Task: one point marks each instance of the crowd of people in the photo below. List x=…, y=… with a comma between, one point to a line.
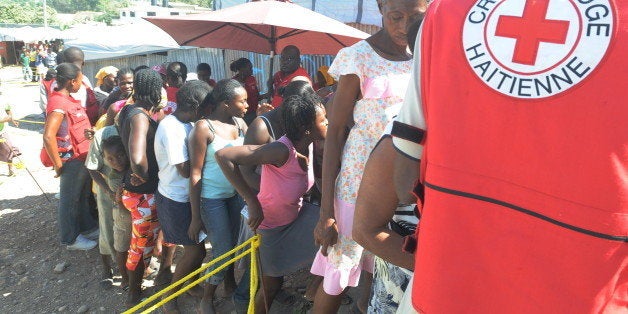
x=37, y=58
x=326, y=172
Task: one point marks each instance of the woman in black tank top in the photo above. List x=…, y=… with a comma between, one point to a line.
x=137, y=130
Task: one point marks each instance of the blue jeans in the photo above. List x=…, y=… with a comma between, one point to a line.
x=73, y=214
x=221, y=218
x=27, y=72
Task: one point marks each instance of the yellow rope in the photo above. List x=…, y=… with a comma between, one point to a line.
x=30, y=121
x=254, y=245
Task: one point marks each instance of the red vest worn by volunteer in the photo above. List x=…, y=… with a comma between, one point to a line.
x=281, y=80
x=92, y=106
x=71, y=134
x=525, y=164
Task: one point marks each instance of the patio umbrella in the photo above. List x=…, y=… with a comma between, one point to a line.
x=263, y=26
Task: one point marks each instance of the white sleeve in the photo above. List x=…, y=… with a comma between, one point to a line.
x=175, y=144
x=408, y=129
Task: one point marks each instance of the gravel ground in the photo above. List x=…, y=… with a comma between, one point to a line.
x=29, y=247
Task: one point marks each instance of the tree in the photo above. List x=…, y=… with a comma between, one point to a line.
x=25, y=12
x=73, y=6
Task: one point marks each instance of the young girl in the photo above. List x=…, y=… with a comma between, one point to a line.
x=244, y=74
x=67, y=148
x=121, y=93
x=215, y=204
x=173, y=192
x=285, y=225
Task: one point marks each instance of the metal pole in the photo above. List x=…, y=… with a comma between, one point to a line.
x=45, y=18
x=273, y=48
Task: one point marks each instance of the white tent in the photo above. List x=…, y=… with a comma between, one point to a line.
x=29, y=34
x=108, y=42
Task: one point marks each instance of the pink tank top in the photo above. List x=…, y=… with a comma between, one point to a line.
x=282, y=188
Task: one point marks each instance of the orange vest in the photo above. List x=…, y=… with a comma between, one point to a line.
x=525, y=164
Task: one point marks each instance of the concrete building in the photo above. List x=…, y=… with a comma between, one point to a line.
x=140, y=9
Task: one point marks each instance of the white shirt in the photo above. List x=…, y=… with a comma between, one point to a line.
x=171, y=149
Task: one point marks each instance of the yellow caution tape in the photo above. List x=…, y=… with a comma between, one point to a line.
x=30, y=121
x=254, y=245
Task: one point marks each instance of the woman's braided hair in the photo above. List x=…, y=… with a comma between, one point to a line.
x=224, y=91
x=147, y=85
x=191, y=95
x=299, y=114
x=123, y=72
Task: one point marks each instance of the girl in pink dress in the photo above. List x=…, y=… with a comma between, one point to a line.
x=278, y=212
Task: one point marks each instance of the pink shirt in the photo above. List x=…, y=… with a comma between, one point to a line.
x=282, y=188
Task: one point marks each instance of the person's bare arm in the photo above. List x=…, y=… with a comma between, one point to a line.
x=111, y=115
x=375, y=206
x=137, y=146
x=197, y=148
x=53, y=123
x=99, y=178
x=231, y=157
x=183, y=169
x=406, y=174
x=257, y=134
x=344, y=101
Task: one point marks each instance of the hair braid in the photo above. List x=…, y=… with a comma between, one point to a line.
x=147, y=88
x=299, y=114
x=191, y=95
x=225, y=90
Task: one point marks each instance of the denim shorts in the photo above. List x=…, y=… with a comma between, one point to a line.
x=175, y=218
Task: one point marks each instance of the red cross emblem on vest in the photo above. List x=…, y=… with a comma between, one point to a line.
x=536, y=48
x=531, y=29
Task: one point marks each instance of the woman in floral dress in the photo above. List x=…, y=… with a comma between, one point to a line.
x=373, y=76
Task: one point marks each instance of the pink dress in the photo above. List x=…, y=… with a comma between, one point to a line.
x=383, y=85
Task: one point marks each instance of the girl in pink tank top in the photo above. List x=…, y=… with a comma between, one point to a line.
x=287, y=174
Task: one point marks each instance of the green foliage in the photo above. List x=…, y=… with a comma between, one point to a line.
x=25, y=12
x=73, y=6
x=200, y=3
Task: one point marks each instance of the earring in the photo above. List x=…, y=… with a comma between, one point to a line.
x=307, y=132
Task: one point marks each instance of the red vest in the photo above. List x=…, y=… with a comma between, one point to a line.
x=526, y=157
x=280, y=80
x=71, y=135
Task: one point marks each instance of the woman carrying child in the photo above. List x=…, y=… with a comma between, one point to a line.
x=215, y=204
x=286, y=225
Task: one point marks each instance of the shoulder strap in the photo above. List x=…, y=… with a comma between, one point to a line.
x=269, y=127
x=211, y=127
x=240, y=129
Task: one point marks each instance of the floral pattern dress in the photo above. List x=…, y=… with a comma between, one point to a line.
x=383, y=85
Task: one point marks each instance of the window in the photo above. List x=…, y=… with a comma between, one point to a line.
x=123, y=13
x=132, y=14
x=174, y=13
x=151, y=13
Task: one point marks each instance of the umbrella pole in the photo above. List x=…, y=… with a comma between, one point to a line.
x=273, y=50
x=270, y=71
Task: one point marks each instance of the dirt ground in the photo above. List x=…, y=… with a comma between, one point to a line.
x=29, y=246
